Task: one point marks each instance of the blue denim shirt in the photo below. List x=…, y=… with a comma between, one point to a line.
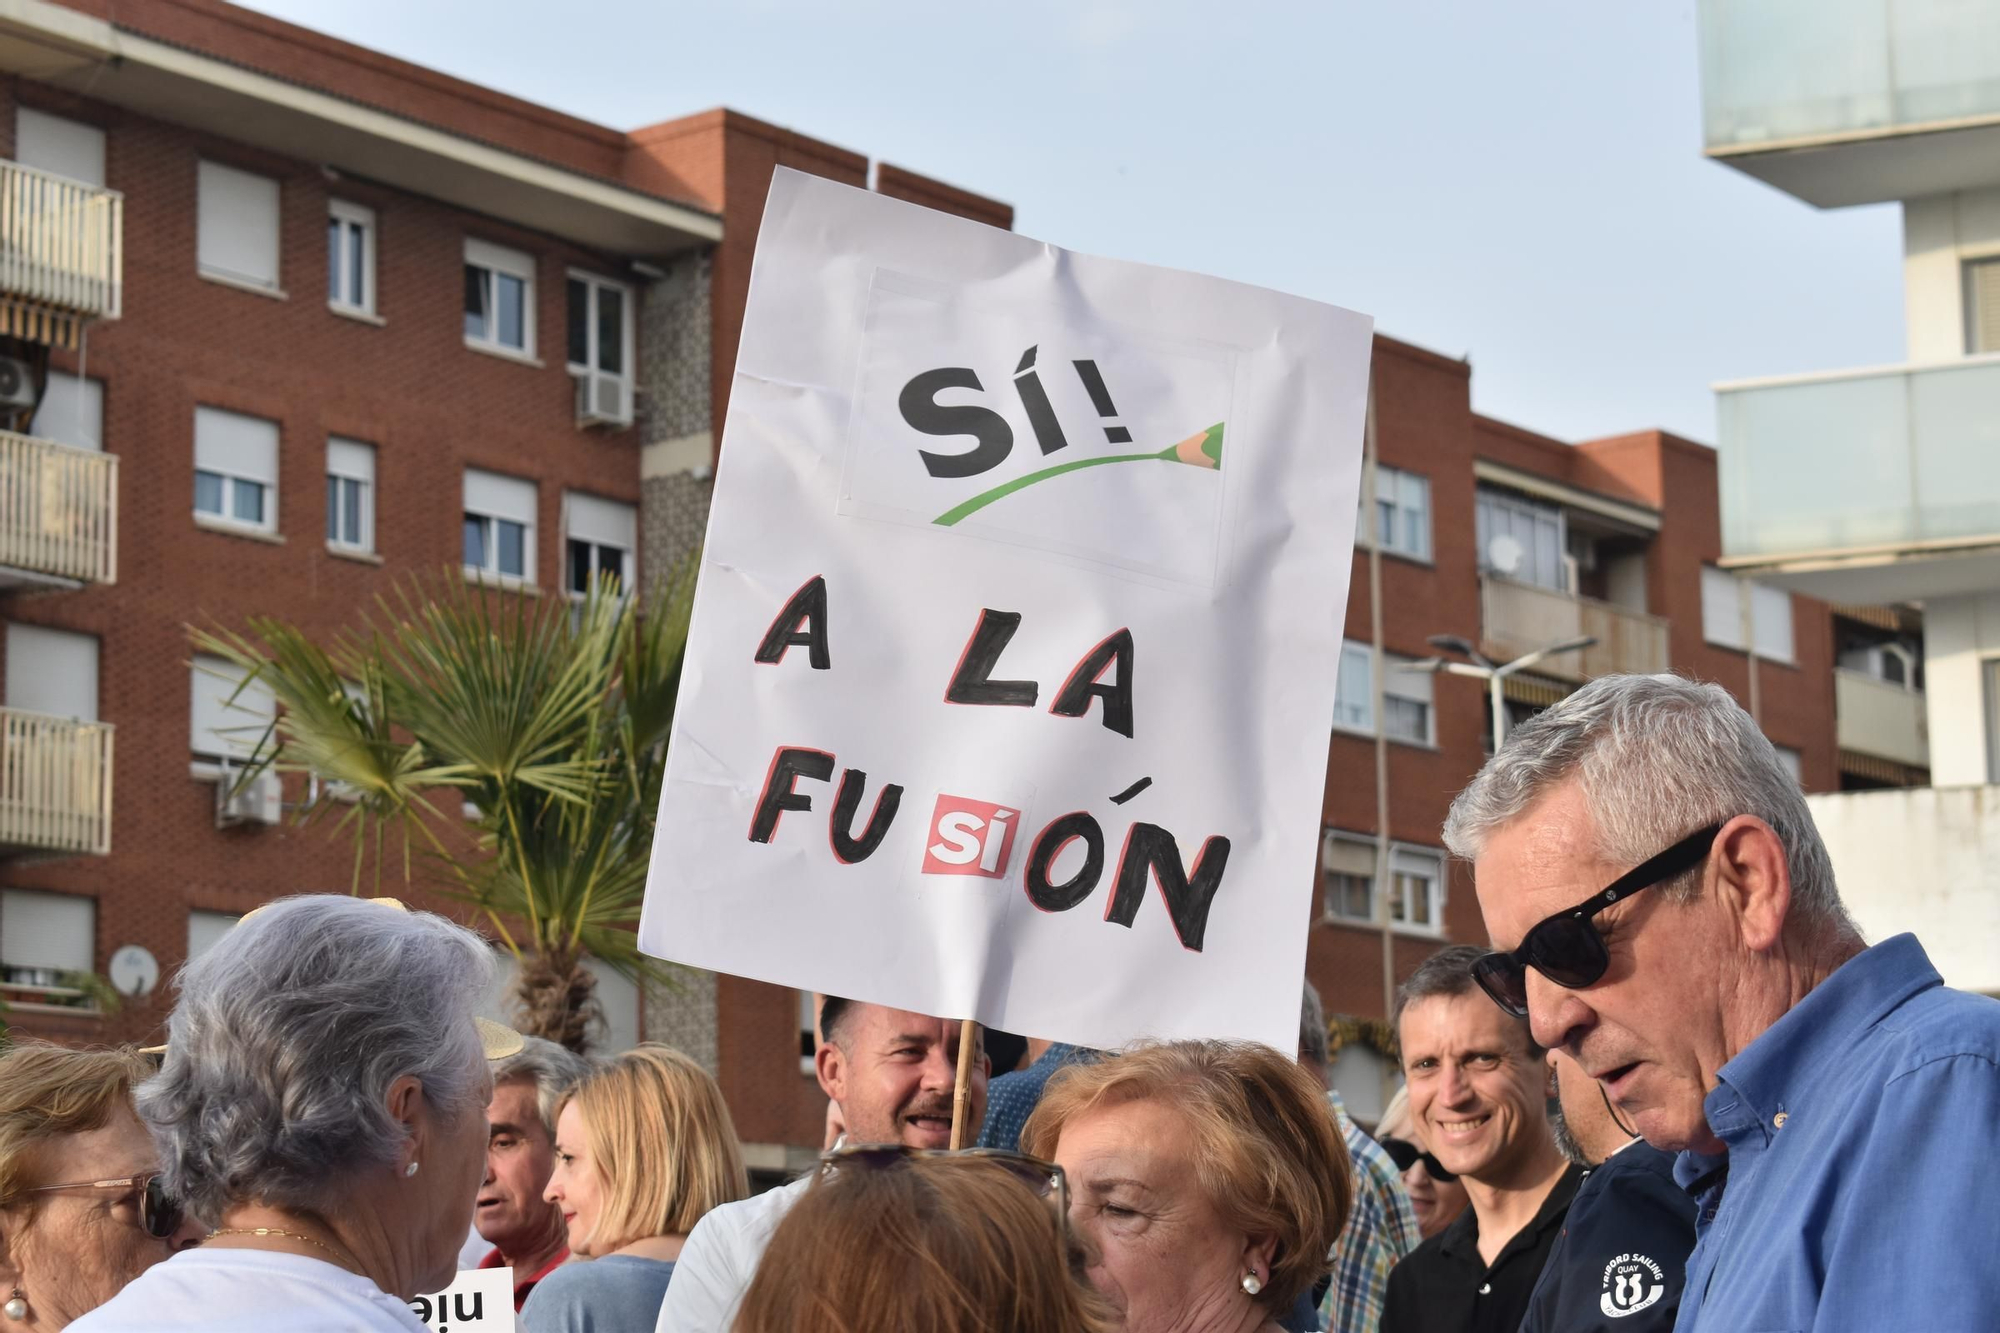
x=1856, y=1192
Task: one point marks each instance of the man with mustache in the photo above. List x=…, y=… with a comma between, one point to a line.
x=1479, y=1088
x=893, y=1073
x=1667, y=916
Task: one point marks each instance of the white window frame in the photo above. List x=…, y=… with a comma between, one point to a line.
x=232, y=476
x=1722, y=596
x=588, y=370
x=1426, y=864
x=514, y=263
x=36, y=912
x=211, y=680
x=479, y=478
x=1489, y=501
x=211, y=175
x=1406, y=494
x=206, y=929
x=71, y=142
x=602, y=525
x=1397, y=684
x=71, y=411
x=361, y=219
x=342, y=456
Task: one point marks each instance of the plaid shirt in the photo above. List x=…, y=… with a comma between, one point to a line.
x=1380, y=1230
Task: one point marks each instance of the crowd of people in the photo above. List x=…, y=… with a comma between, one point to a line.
x=1678, y=1091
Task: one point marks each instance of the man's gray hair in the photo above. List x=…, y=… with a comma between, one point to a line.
x=1313, y=1041
x=1657, y=757
x=555, y=1070
x=286, y=1038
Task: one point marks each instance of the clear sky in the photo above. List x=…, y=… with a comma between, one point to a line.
x=1521, y=181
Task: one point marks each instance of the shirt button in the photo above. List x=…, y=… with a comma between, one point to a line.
x=1778, y=1120
x=1486, y=1289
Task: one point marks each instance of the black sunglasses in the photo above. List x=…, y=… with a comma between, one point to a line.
x=1406, y=1154
x=1566, y=947
x=159, y=1212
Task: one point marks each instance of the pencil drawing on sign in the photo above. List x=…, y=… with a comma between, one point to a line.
x=1010, y=426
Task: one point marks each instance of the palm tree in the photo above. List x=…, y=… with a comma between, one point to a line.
x=546, y=720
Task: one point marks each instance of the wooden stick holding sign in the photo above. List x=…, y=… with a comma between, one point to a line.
x=962, y=1093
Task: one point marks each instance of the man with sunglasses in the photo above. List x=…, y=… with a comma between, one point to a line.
x=1478, y=1086
x=893, y=1073
x=1665, y=913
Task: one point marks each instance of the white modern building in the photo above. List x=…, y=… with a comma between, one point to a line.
x=1880, y=486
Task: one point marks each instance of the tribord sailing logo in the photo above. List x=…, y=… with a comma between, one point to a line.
x=1632, y=1282
x=1037, y=431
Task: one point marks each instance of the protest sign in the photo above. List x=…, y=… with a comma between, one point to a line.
x=1011, y=670
x=479, y=1300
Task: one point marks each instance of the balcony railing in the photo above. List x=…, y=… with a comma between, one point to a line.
x=1859, y=461
x=1879, y=718
x=1781, y=71
x=1521, y=617
x=58, y=510
x=61, y=242
x=55, y=783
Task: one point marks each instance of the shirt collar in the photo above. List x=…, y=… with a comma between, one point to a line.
x=1811, y=1040
x=1463, y=1234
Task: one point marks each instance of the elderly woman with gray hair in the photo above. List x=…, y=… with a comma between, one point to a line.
x=322, y=1104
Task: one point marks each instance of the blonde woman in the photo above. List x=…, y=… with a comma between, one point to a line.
x=644, y=1147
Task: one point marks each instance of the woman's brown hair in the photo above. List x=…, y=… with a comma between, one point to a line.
x=47, y=1091
x=943, y=1244
x=1267, y=1149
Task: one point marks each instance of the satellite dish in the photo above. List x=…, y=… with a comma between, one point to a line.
x=134, y=971
x=1504, y=554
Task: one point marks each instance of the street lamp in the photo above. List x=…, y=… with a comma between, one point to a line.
x=1484, y=669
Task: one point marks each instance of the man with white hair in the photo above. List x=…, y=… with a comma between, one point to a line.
x=1666, y=915
x=524, y=1231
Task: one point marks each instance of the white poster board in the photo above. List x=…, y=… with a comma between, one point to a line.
x=1011, y=673
x=479, y=1300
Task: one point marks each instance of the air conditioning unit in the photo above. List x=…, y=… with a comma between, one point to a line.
x=602, y=400
x=257, y=801
x=17, y=382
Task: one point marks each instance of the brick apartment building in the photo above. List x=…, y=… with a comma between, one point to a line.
x=314, y=320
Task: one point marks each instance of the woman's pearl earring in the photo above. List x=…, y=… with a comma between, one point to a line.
x=16, y=1306
x=410, y=1170
x=1252, y=1284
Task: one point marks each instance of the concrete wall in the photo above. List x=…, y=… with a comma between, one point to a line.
x=1925, y=860
x=1960, y=635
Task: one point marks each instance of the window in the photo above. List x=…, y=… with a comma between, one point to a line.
x=1989, y=672
x=600, y=347
x=1402, y=513
x=1982, y=305
x=599, y=537
x=499, y=298
x=206, y=929
x=71, y=412
x=236, y=224
x=1416, y=881
x=1722, y=614
x=350, y=494
x=44, y=935
x=1521, y=539
x=808, y=1032
x=52, y=671
x=220, y=727
x=1406, y=697
x=350, y=257
x=499, y=525
x=235, y=469
x=63, y=147
x=1793, y=762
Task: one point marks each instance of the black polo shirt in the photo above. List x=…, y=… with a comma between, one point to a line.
x=1443, y=1286
x=1621, y=1260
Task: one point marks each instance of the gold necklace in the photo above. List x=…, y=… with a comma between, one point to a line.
x=345, y=1259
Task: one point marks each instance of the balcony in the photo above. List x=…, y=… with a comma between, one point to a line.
x=58, y=513
x=1521, y=617
x=1870, y=486
x=55, y=784
x=1881, y=719
x=1853, y=101
x=61, y=254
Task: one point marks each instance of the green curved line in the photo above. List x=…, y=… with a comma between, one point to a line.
x=980, y=501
